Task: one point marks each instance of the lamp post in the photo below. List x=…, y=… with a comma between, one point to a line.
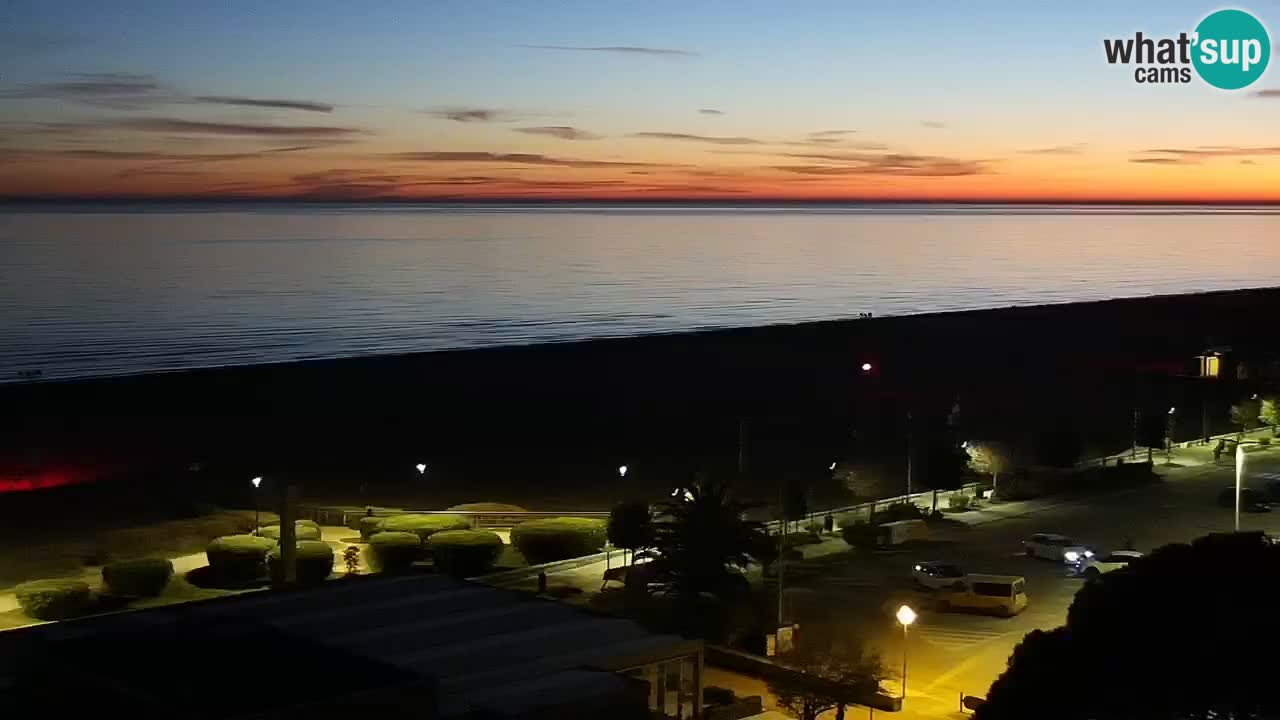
x=257, y=481
x=622, y=471
x=1168, y=435
x=1239, y=478
x=905, y=616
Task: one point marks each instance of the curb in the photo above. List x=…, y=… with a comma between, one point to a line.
x=524, y=573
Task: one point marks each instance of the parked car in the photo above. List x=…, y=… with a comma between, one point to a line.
x=1092, y=568
x=1250, y=500
x=986, y=594
x=1051, y=546
x=934, y=574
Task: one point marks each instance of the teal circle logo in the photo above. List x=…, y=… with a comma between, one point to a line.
x=1232, y=49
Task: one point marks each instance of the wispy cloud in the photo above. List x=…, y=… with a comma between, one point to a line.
x=175, y=125
x=564, y=132
x=830, y=133
x=892, y=164
x=686, y=137
x=933, y=124
x=130, y=91
x=305, y=105
x=512, y=158
x=116, y=91
x=1075, y=149
x=472, y=114
x=1172, y=156
x=620, y=49
x=710, y=111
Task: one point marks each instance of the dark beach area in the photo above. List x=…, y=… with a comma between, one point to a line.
x=546, y=426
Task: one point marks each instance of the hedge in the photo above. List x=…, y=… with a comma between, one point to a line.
x=302, y=530
x=464, y=553
x=424, y=526
x=313, y=561
x=544, y=541
x=145, y=577
x=393, y=551
x=369, y=526
x=239, y=557
x=860, y=535
x=53, y=599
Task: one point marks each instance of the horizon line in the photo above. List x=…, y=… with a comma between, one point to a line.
x=649, y=200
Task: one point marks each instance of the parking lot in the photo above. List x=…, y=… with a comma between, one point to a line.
x=950, y=653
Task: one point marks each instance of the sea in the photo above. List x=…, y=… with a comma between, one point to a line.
x=114, y=289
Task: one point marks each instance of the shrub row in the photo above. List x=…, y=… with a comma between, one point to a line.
x=544, y=541
x=53, y=599
x=302, y=530
x=313, y=561
x=392, y=551
x=464, y=553
x=145, y=577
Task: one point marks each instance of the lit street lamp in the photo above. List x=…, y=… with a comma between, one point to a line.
x=906, y=616
x=257, y=481
x=422, y=468
x=866, y=367
x=622, y=471
x=1239, y=478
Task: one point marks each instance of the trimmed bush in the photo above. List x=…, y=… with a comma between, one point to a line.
x=53, y=599
x=544, y=541
x=899, y=511
x=959, y=502
x=1264, y=441
x=313, y=561
x=393, y=551
x=487, y=507
x=713, y=695
x=239, y=557
x=424, y=526
x=145, y=577
x=302, y=530
x=859, y=535
x=464, y=553
x=799, y=539
x=369, y=526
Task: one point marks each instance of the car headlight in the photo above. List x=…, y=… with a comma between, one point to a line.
x=1071, y=556
x=1088, y=553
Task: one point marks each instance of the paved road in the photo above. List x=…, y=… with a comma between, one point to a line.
x=950, y=653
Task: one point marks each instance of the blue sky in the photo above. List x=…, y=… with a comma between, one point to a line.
x=976, y=83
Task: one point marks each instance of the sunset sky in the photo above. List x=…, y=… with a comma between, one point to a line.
x=565, y=99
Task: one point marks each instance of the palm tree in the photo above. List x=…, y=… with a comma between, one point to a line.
x=702, y=541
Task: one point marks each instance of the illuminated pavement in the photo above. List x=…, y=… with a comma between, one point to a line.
x=951, y=653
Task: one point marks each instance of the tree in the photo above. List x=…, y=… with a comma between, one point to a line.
x=631, y=526
x=1160, y=645
x=989, y=458
x=1245, y=413
x=834, y=676
x=1269, y=413
x=703, y=542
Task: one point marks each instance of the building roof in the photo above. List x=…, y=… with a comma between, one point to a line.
x=464, y=644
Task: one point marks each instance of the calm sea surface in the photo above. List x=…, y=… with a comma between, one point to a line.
x=108, y=290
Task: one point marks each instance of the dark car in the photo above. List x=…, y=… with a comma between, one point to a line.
x=1250, y=500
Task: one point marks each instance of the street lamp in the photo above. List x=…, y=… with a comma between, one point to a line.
x=1239, y=478
x=422, y=468
x=622, y=471
x=906, y=616
x=257, y=481
x=1168, y=435
x=866, y=367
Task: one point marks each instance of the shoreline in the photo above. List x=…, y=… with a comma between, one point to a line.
x=835, y=325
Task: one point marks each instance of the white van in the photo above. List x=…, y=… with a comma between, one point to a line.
x=896, y=533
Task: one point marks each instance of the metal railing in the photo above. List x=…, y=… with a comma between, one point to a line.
x=478, y=518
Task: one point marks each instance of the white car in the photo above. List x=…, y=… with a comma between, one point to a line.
x=935, y=574
x=1094, y=567
x=1058, y=548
